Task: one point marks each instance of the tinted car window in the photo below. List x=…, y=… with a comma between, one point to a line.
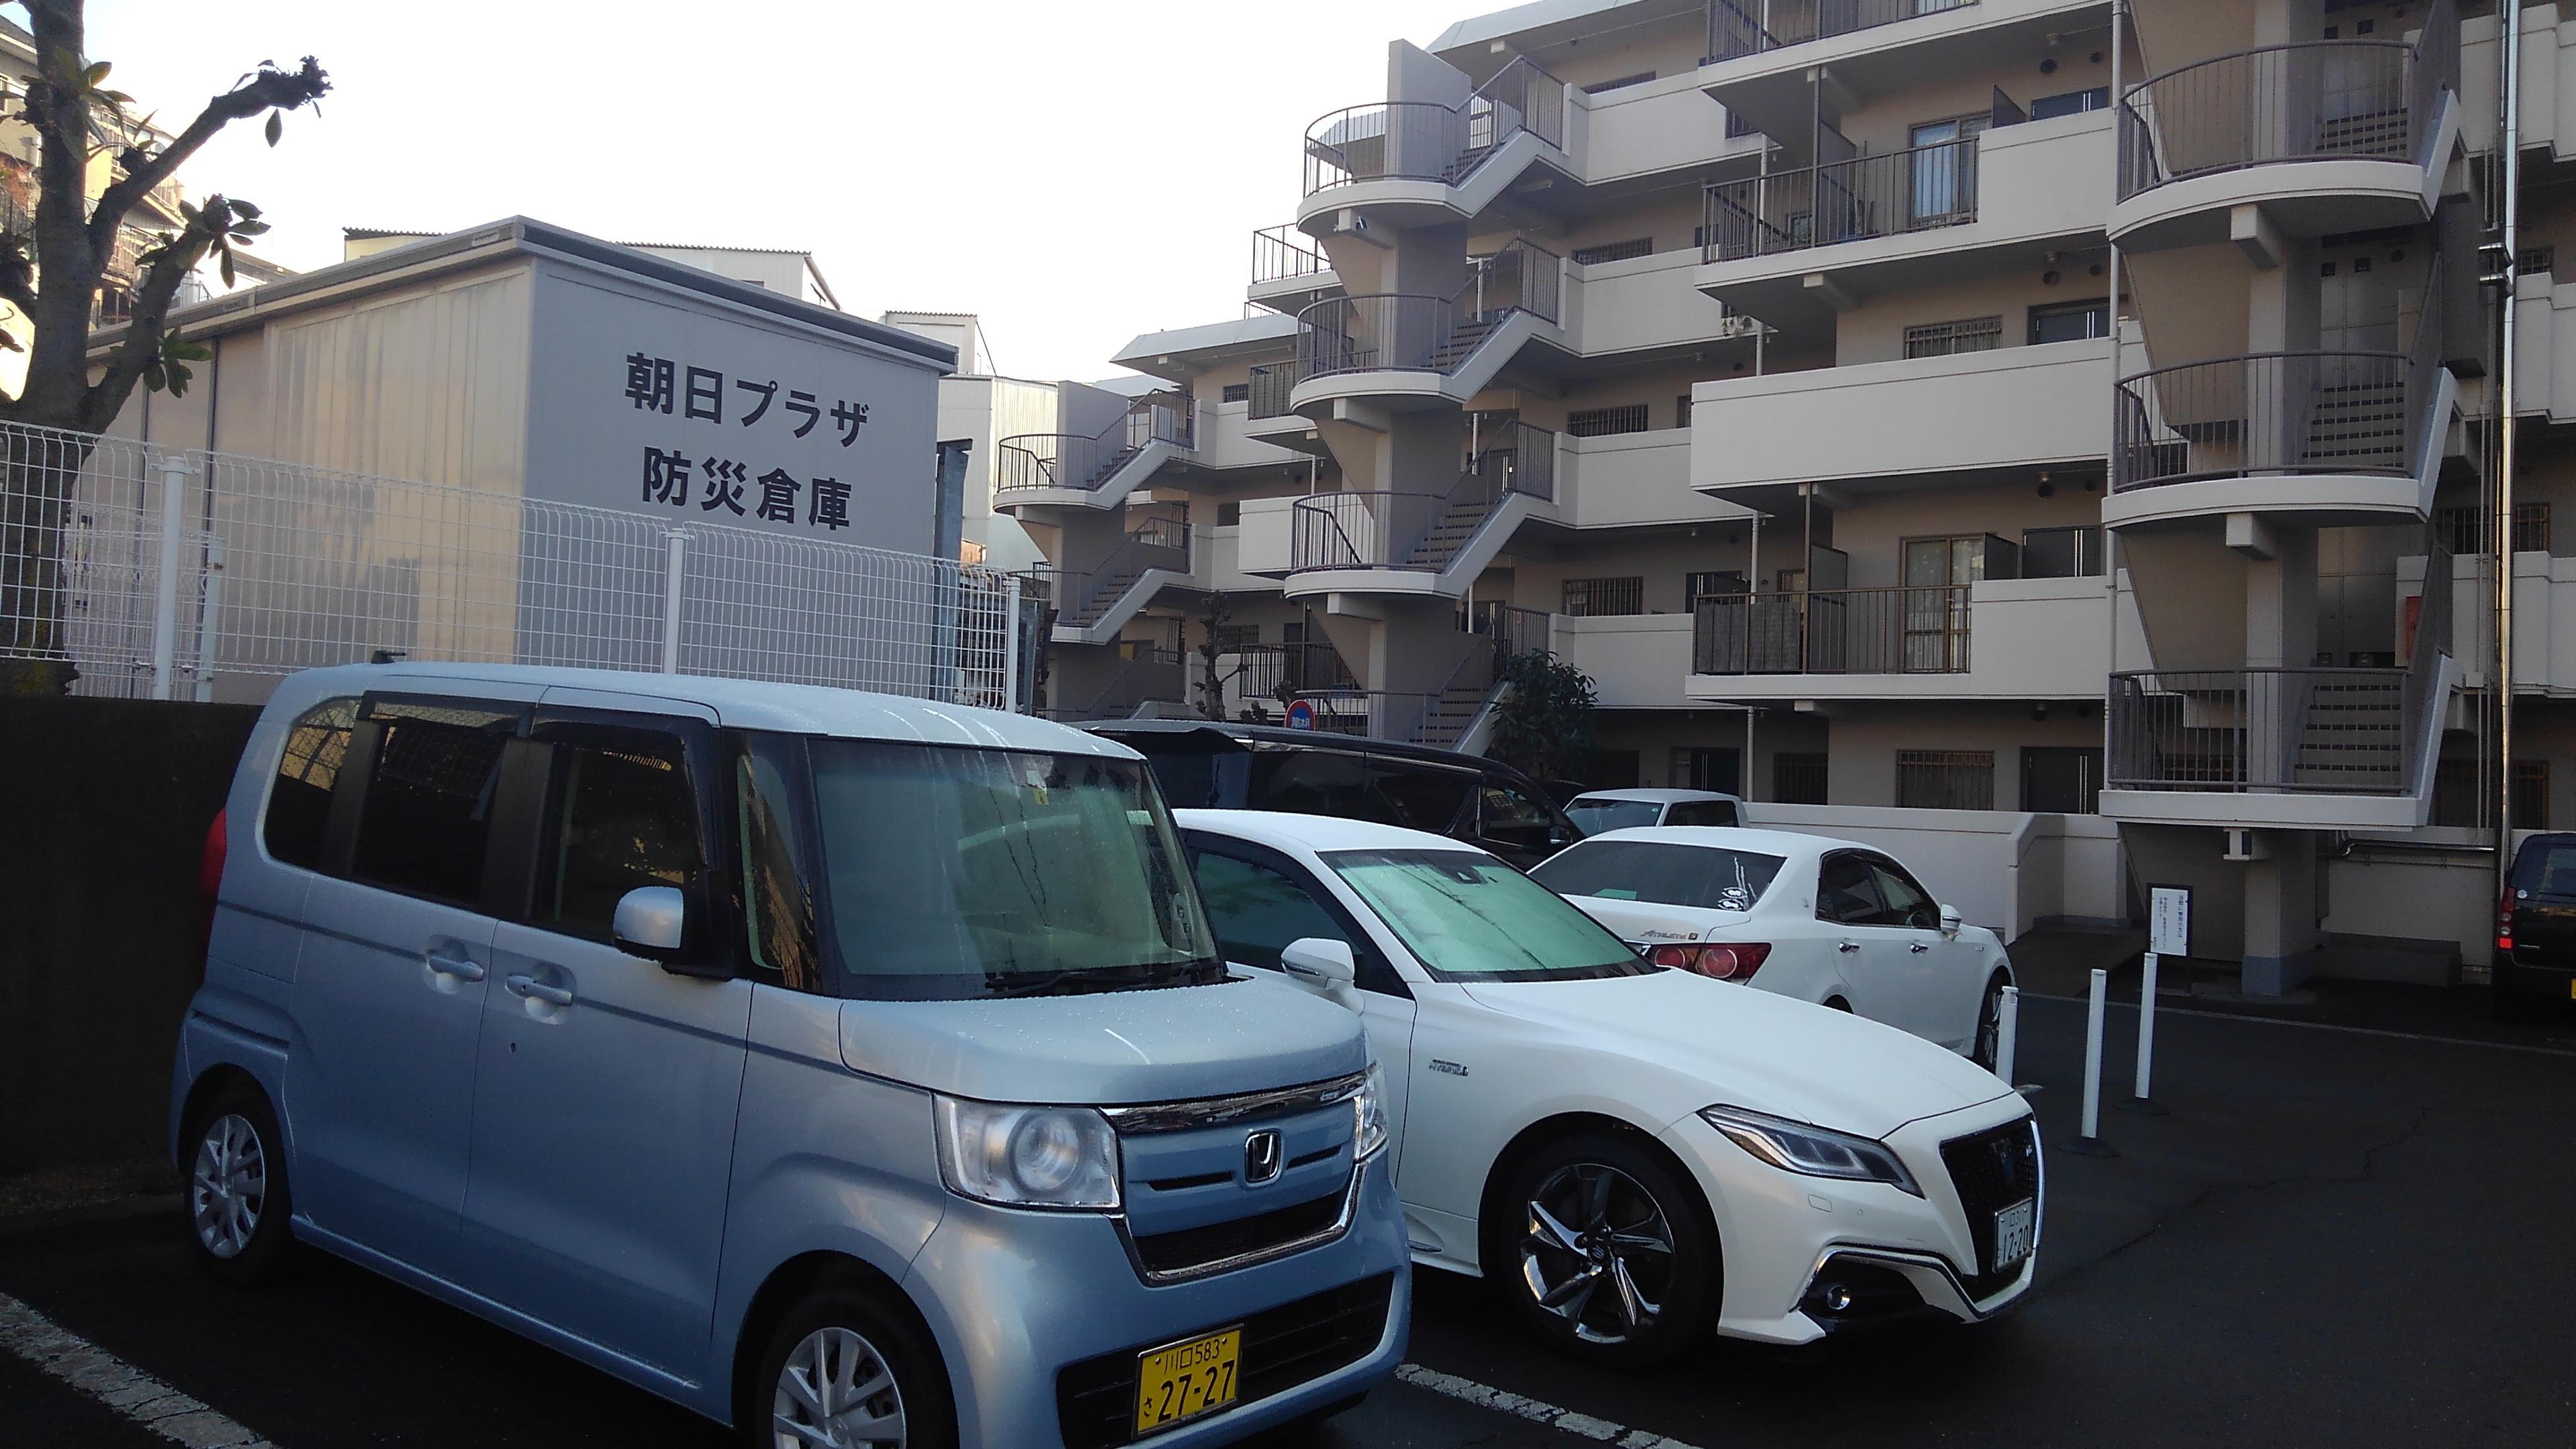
x=1256, y=912
x=621, y=816
x=299, y=800
x=1660, y=873
x=428, y=811
x=1593, y=817
x=1319, y=782
x=1516, y=818
x=1846, y=892
x=1424, y=797
x=1703, y=812
x=1907, y=903
x=2546, y=868
x=777, y=890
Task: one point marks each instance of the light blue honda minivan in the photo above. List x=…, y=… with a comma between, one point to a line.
x=853, y=1070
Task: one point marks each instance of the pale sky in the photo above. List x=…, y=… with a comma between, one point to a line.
x=1075, y=173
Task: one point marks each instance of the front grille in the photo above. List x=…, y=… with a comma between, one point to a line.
x=1992, y=1170
x=1283, y=1347
x=1188, y=1248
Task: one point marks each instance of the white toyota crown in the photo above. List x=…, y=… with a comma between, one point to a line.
x=1637, y=1157
x=1834, y=922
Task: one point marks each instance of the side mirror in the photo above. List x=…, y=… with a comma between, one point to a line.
x=1321, y=964
x=650, y=922
x=1950, y=920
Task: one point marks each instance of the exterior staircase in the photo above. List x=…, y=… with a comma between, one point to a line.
x=1463, y=341
x=1449, y=714
x=2353, y=738
x=1467, y=510
x=2359, y=425
x=1102, y=597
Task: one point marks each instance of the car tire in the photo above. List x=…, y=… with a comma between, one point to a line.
x=1989, y=1040
x=236, y=1196
x=1574, y=1245
x=872, y=1359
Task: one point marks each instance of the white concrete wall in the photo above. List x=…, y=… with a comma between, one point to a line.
x=1635, y=661
x=1623, y=479
x=1222, y=444
x=1261, y=539
x=2046, y=638
x=1643, y=302
x=2004, y=870
x=1659, y=125
x=2011, y=406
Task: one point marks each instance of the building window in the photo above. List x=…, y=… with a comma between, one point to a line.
x=1710, y=584
x=1592, y=598
x=2063, y=553
x=1237, y=392
x=1945, y=779
x=2070, y=103
x=1622, y=83
x=1617, y=251
x=1798, y=777
x=2533, y=260
x=2458, y=794
x=1702, y=769
x=1597, y=422
x=1681, y=411
x=1229, y=513
x=2070, y=321
x=1235, y=638
x=1940, y=339
x=2463, y=529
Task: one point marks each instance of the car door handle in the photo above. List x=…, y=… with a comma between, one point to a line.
x=1918, y=948
x=531, y=986
x=451, y=966
x=1848, y=947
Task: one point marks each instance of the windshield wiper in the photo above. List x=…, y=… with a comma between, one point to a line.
x=1081, y=979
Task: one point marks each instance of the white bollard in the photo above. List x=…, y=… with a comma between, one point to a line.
x=2007, y=1034
x=2140, y=1101
x=2089, y=1142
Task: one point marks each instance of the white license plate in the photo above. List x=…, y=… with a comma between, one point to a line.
x=2014, y=1228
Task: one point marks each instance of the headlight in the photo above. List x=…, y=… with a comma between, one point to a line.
x=1047, y=1157
x=1368, y=1109
x=1815, y=1151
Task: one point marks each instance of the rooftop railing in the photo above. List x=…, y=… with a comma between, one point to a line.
x=1920, y=189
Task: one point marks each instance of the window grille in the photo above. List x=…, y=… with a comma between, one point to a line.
x=1941, y=339
x=1237, y=392
x=1622, y=83
x=2459, y=799
x=1617, y=251
x=2463, y=528
x=2535, y=259
x=1945, y=779
x=1589, y=598
x=1798, y=777
x=1599, y=422
x=1235, y=638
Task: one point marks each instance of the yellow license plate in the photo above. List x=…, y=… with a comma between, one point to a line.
x=1184, y=1380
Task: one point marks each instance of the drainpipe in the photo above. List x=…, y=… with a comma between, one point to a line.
x=2509, y=182
x=2111, y=457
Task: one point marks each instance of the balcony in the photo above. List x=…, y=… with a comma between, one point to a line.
x=1635, y=661
x=1422, y=542
x=1420, y=162
x=1626, y=309
x=1288, y=271
x=2340, y=438
x=2325, y=136
x=1966, y=415
x=1794, y=247
x=2015, y=639
x=1097, y=470
x=2350, y=749
x=1402, y=351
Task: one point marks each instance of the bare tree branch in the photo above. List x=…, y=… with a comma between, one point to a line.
x=268, y=89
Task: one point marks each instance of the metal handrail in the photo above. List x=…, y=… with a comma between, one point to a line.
x=1903, y=629
x=1271, y=388
x=2264, y=730
x=1277, y=259
x=1408, y=331
x=1390, y=529
x=1431, y=140
x=1075, y=461
x=2302, y=101
x=1921, y=188
x=1734, y=33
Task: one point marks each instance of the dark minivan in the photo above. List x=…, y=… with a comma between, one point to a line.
x=1311, y=772
x=2535, y=954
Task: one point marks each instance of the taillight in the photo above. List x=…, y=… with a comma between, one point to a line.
x=2504, y=922
x=1719, y=961
x=210, y=881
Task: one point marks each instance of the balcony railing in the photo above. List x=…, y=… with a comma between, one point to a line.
x=1921, y=189
x=1280, y=254
x=2314, y=100
x=1309, y=667
x=1271, y=387
x=1738, y=28
x=2286, y=731
x=1408, y=332
x=1905, y=630
x=1429, y=141
x=1421, y=531
x=2281, y=412
x=1071, y=460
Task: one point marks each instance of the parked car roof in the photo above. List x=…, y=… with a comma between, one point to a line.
x=1658, y=796
x=1249, y=734
x=1727, y=837
x=761, y=704
x=1280, y=829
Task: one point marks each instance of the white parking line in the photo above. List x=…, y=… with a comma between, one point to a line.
x=118, y=1384
x=1619, y=1436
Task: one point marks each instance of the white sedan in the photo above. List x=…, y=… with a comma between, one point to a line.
x=1834, y=922
x=1638, y=1157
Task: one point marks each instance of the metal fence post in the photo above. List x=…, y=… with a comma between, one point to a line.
x=675, y=548
x=212, y=600
x=165, y=586
x=1011, y=697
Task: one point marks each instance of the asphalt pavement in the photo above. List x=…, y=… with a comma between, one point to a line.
x=2333, y=1238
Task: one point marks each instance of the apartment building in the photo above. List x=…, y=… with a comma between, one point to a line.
x=1955, y=405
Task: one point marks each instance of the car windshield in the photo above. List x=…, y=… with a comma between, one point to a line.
x=956, y=872
x=1593, y=816
x=1469, y=917
x=1661, y=873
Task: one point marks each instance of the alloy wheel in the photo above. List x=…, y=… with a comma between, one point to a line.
x=1990, y=1026
x=1597, y=1251
x=228, y=1186
x=836, y=1391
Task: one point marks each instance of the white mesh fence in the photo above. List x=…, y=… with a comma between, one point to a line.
x=285, y=567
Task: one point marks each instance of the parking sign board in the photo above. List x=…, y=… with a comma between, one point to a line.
x=1301, y=715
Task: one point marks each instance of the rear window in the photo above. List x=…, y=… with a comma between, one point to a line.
x=1661, y=874
x=2546, y=868
x=1594, y=817
x=1703, y=812
x=299, y=802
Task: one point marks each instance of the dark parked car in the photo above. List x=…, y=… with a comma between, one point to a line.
x=2535, y=955
x=1310, y=772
